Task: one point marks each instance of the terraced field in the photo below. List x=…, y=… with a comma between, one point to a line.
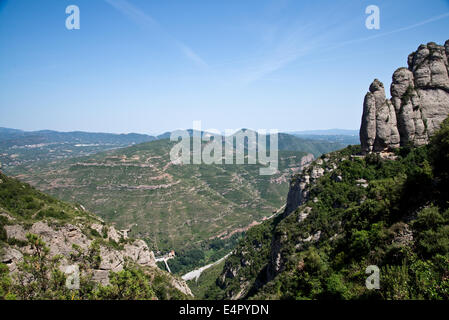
x=171, y=206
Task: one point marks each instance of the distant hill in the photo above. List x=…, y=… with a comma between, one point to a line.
x=19, y=147
x=14, y=137
x=172, y=205
x=327, y=132
x=341, y=136
x=310, y=145
x=23, y=148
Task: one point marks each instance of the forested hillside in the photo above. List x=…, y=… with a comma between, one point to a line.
x=388, y=210
x=40, y=237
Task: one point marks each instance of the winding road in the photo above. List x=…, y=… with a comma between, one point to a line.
x=195, y=274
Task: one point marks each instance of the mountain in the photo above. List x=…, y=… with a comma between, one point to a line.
x=9, y=137
x=5, y=131
x=286, y=142
x=340, y=137
x=351, y=212
x=39, y=233
x=179, y=207
x=346, y=212
x=190, y=207
x=19, y=147
x=419, y=102
x=23, y=148
x=313, y=145
x=327, y=132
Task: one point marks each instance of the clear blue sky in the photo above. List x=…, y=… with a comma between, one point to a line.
x=149, y=66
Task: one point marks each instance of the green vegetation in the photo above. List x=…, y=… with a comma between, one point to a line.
x=205, y=287
x=27, y=205
x=38, y=274
x=39, y=278
x=399, y=222
x=316, y=145
x=188, y=259
x=172, y=207
x=22, y=148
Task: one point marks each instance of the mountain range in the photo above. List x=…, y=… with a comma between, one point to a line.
x=173, y=207
x=329, y=216
x=22, y=148
x=380, y=206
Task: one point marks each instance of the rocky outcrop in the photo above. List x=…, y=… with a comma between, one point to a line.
x=75, y=238
x=60, y=240
x=379, y=127
x=300, y=183
x=419, y=102
x=297, y=193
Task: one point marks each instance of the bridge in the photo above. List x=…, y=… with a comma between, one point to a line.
x=165, y=258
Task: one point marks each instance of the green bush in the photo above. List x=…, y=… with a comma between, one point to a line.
x=129, y=284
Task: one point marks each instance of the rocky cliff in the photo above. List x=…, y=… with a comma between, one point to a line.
x=300, y=183
x=69, y=232
x=419, y=102
x=347, y=211
x=338, y=203
x=61, y=240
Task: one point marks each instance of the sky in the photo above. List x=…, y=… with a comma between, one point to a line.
x=151, y=66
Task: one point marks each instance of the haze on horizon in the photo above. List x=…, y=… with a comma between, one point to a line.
x=151, y=66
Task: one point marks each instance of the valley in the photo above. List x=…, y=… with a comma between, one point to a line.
x=185, y=208
x=244, y=152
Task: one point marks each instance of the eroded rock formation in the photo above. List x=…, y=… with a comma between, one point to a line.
x=61, y=239
x=419, y=102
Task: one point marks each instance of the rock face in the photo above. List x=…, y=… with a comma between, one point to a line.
x=300, y=183
x=419, y=102
x=79, y=240
x=379, y=129
x=61, y=240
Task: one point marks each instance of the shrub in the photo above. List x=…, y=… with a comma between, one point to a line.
x=129, y=284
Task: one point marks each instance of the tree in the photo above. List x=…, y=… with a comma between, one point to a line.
x=129, y=284
x=439, y=155
x=38, y=276
x=5, y=283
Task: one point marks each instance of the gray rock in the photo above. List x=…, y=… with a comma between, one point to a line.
x=61, y=239
x=7, y=216
x=181, y=286
x=446, y=46
x=306, y=160
x=113, y=234
x=317, y=172
x=297, y=194
x=16, y=232
x=101, y=276
x=304, y=214
x=140, y=253
x=10, y=257
x=378, y=130
x=419, y=102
